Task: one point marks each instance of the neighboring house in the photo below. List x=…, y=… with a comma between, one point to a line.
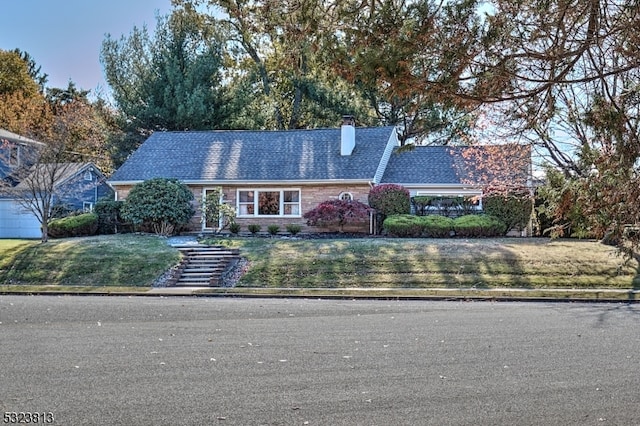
x=16, y=152
x=78, y=185
x=274, y=177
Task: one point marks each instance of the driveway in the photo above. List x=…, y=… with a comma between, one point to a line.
x=195, y=361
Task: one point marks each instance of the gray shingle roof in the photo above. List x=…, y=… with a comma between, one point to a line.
x=293, y=155
x=433, y=165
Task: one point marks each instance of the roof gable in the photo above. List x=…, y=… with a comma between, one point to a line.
x=293, y=155
x=62, y=172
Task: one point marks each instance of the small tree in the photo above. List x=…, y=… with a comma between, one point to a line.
x=35, y=184
x=163, y=204
x=338, y=213
x=216, y=211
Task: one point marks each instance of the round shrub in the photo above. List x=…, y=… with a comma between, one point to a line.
x=390, y=199
x=293, y=228
x=436, y=226
x=273, y=229
x=403, y=225
x=74, y=226
x=162, y=204
x=478, y=226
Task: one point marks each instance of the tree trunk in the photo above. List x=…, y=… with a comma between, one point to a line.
x=45, y=231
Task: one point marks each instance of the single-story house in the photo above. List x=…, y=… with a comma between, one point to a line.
x=78, y=186
x=274, y=177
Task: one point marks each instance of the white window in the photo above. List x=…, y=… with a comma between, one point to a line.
x=269, y=202
x=464, y=201
x=87, y=207
x=88, y=175
x=346, y=196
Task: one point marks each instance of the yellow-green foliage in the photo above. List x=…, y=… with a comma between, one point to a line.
x=74, y=226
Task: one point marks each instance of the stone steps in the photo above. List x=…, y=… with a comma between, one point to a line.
x=203, y=266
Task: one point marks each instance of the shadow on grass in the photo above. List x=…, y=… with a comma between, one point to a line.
x=16, y=257
x=377, y=263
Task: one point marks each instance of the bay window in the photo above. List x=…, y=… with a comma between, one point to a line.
x=269, y=202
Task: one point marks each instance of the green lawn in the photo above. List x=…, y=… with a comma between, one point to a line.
x=430, y=263
x=95, y=262
x=132, y=262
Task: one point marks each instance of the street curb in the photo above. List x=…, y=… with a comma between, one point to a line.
x=498, y=295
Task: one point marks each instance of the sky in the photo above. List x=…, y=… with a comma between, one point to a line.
x=64, y=37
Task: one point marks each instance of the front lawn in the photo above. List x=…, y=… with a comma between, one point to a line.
x=103, y=261
x=431, y=263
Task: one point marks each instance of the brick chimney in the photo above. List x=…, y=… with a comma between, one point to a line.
x=348, y=135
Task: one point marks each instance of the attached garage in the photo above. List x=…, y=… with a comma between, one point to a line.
x=16, y=223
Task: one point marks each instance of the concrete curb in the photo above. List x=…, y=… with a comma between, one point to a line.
x=440, y=294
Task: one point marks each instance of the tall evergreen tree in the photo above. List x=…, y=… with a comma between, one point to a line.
x=172, y=81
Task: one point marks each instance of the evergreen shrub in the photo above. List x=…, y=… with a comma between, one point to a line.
x=74, y=226
x=478, y=226
x=293, y=228
x=433, y=226
x=514, y=209
x=273, y=229
x=234, y=228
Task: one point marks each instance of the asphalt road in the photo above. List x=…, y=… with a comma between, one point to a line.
x=215, y=361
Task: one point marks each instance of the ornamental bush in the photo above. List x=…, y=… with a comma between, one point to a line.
x=478, y=226
x=234, y=228
x=74, y=226
x=164, y=205
x=294, y=228
x=433, y=226
x=403, y=225
x=436, y=226
x=338, y=213
x=273, y=229
x=390, y=199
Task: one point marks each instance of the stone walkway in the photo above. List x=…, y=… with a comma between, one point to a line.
x=182, y=240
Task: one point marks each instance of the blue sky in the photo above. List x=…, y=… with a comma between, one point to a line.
x=64, y=36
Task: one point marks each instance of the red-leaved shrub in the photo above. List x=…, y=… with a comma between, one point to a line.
x=390, y=199
x=338, y=213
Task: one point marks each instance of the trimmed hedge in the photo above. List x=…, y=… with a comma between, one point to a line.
x=436, y=226
x=74, y=226
x=403, y=225
x=478, y=226
x=418, y=226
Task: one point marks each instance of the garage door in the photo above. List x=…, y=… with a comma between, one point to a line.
x=15, y=223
